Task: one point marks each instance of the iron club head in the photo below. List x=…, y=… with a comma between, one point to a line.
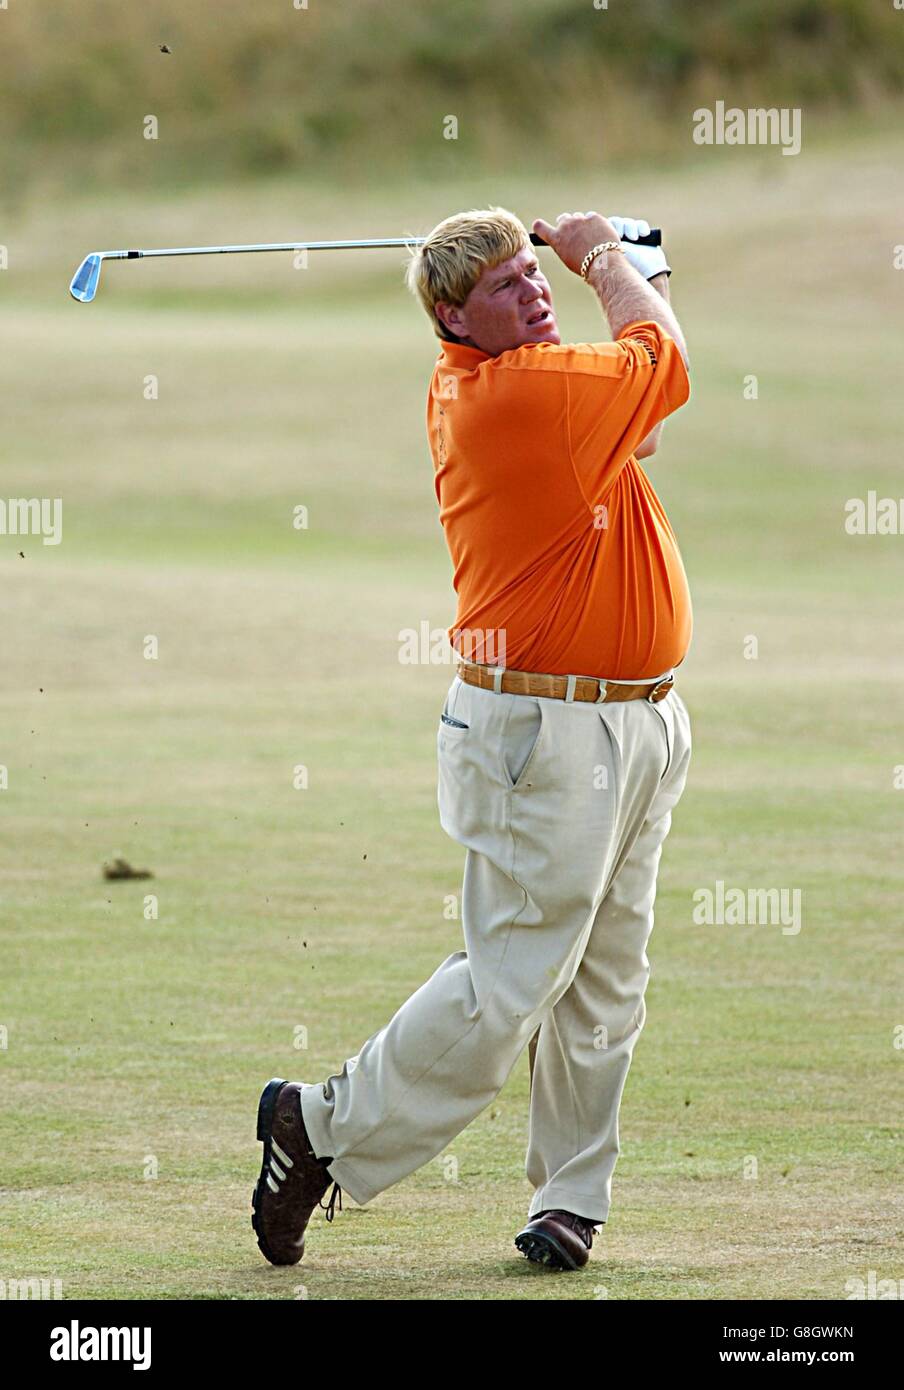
x=84, y=281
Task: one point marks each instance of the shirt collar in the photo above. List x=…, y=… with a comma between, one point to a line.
x=461, y=355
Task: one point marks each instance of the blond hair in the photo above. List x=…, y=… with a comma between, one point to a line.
x=457, y=252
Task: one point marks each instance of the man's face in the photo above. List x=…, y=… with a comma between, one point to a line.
x=509, y=306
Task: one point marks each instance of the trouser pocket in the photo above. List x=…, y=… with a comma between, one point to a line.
x=666, y=719
x=521, y=737
x=676, y=723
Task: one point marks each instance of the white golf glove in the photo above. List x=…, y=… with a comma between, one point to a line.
x=649, y=260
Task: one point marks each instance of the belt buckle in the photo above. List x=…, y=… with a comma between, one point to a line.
x=661, y=689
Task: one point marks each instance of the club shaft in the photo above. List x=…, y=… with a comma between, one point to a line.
x=372, y=242
x=268, y=246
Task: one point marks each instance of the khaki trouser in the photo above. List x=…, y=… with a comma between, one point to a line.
x=562, y=808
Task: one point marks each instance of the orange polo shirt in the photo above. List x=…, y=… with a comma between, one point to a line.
x=564, y=559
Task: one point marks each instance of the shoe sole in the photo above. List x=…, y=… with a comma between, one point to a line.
x=542, y=1249
x=265, y=1111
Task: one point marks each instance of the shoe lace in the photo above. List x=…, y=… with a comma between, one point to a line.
x=330, y=1208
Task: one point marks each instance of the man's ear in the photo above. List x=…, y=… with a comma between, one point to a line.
x=451, y=317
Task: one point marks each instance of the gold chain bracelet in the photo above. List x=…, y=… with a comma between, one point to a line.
x=595, y=251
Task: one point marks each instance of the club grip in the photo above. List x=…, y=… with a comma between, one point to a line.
x=653, y=238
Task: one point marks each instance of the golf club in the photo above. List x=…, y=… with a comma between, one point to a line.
x=86, y=279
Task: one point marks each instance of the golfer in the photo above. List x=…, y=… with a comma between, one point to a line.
x=563, y=746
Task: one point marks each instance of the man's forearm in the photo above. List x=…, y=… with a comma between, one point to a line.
x=627, y=297
x=660, y=284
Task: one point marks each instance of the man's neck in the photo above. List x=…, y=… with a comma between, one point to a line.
x=463, y=342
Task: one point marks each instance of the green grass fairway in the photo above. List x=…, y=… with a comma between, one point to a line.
x=138, y=1045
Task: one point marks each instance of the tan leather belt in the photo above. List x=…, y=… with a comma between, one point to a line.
x=548, y=687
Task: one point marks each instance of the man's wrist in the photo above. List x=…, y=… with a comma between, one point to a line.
x=605, y=265
x=600, y=251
